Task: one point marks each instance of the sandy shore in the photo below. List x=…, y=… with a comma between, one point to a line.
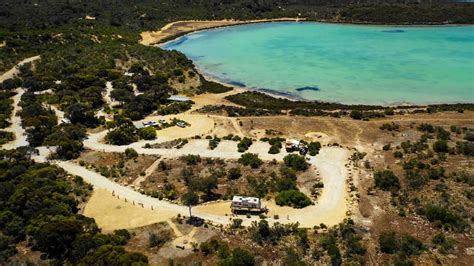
x=179, y=28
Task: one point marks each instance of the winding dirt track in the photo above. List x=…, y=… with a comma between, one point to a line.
x=330, y=209
x=15, y=127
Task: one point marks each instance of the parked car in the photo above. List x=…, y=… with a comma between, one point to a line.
x=149, y=123
x=181, y=124
x=162, y=121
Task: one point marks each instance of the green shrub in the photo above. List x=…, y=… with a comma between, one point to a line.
x=466, y=148
x=293, y=198
x=191, y=159
x=415, y=179
x=405, y=244
x=234, y=173
x=213, y=144
x=147, y=133
x=356, y=114
x=445, y=216
x=158, y=240
x=386, y=180
x=314, y=148
x=213, y=87
x=296, y=162
x=444, y=244
x=6, y=136
x=236, y=223
x=250, y=159
x=390, y=126
x=130, y=153
x=398, y=154
x=274, y=149
x=469, y=135
x=244, y=144
x=426, y=128
x=440, y=146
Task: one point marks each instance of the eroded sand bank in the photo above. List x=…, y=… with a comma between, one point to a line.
x=183, y=27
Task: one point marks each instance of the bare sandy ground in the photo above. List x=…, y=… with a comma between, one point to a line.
x=112, y=213
x=200, y=125
x=183, y=27
x=204, y=99
x=107, y=98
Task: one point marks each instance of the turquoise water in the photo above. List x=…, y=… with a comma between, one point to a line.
x=340, y=63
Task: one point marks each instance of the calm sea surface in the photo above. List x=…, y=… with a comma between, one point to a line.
x=340, y=63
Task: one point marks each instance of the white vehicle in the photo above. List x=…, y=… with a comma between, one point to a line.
x=242, y=203
x=181, y=124
x=149, y=123
x=162, y=121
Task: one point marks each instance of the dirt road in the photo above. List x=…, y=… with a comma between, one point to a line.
x=15, y=127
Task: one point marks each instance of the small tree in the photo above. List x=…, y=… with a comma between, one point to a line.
x=297, y=162
x=314, y=148
x=234, y=173
x=190, y=199
x=386, y=180
x=440, y=146
x=250, y=159
x=356, y=114
x=130, y=153
x=147, y=133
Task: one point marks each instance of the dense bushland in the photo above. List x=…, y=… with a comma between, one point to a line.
x=39, y=205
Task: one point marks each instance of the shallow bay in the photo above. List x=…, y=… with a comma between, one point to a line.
x=353, y=64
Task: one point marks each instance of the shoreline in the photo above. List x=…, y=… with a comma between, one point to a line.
x=296, y=98
x=162, y=37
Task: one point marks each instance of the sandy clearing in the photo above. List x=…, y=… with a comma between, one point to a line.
x=187, y=26
x=204, y=99
x=200, y=126
x=112, y=213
